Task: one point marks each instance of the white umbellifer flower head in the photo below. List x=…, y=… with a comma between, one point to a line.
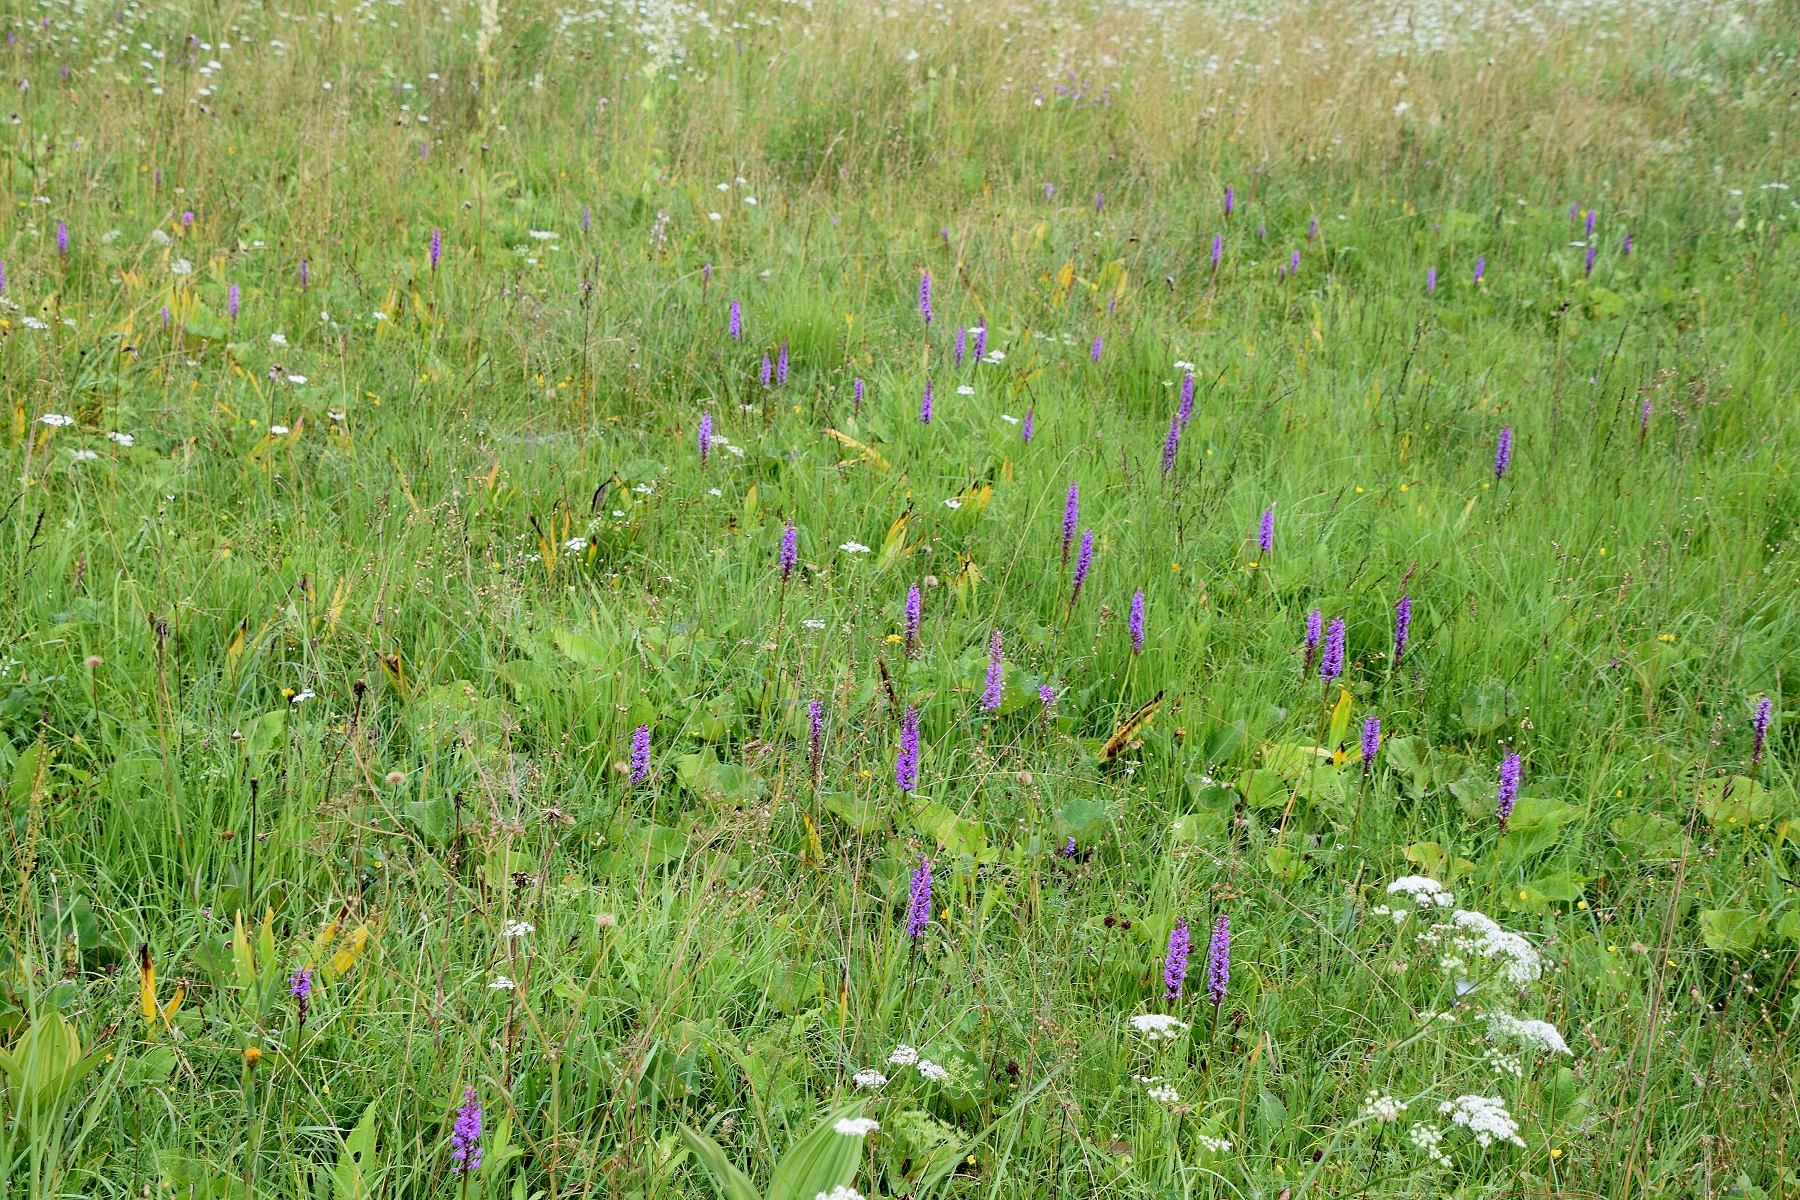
x=502, y=984
x=1485, y=1117
x=34, y=323
x=1535, y=1035
x=85, y=455
x=544, y=235
x=953, y=502
x=513, y=929
x=903, y=1056
x=181, y=266
x=1426, y=1137
x=857, y=1126
x=1009, y=418
x=813, y=623
x=1158, y=1025
x=576, y=544
x=278, y=339
x=932, y=1071
x=869, y=1078
x=278, y=430
x=965, y=390
x=1423, y=889
x=840, y=1193
x=854, y=548
x=56, y=420
x=296, y=380
x=1476, y=933
x=123, y=439
x=1215, y=1145
x=1385, y=1109
x=994, y=356
x=303, y=695
x=1163, y=1093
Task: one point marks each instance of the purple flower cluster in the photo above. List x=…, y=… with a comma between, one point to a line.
x=737, y=321
x=1025, y=430
x=962, y=343
x=768, y=370
x=1759, y=724
x=1371, y=743
x=465, y=1136
x=1402, y=626
x=925, y=405
x=1083, y=561
x=859, y=395
x=1071, y=514
x=918, y=903
x=815, y=737
x=232, y=300
x=640, y=754
x=781, y=365
x=906, y=764
x=1094, y=354
x=1265, y=532
x=1218, y=960
x=1171, y=445
x=1431, y=281
x=1175, y=960
x=925, y=297
x=300, y=987
x=437, y=247
x=1186, y=411
x=1218, y=250
x=1315, y=628
x=705, y=438
x=1136, y=622
x=1331, y=662
x=996, y=674
x=1509, y=788
x=790, y=550
x=980, y=342
x=1503, y=452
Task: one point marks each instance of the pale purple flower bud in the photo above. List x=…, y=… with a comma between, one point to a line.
x=1759, y=725
x=1589, y=270
x=790, y=550
x=913, y=611
x=1589, y=230
x=859, y=396
x=62, y=237
x=1315, y=627
x=737, y=321
x=437, y=247
x=1575, y=211
x=1265, y=532
x=1480, y=267
x=300, y=988
x=1431, y=281
x=1094, y=354
x=1331, y=662
x=705, y=437
x=1229, y=198
x=1071, y=514
x=232, y=299
x=980, y=342
x=1025, y=430
x=1136, y=622
x=187, y=220
x=925, y=297
x=996, y=675
x=1047, y=697
x=1218, y=250
x=781, y=365
x=925, y=405
x=1083, y=561
x=640, y=754
x=1503, y=452
x=1312, y=229
x=705, y=274
x=1099, y=201
x=962, y=344
x=1402, y=626
x=303, y=274
x=587, y=217
x=1171, y=444
x=918, y=903
x=2, y=278
x=1294, y=264
x=1644, y=417
x=1625, y=246
x=768, y=369
x=1175, y=960
x=906, y=764
x=1218, y=960
x=1371, y=743
x=1186, y=411
x=1509, y=788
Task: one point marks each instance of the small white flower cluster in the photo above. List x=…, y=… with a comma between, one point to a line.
x=908, y=1056
x=1533, y=1035
x=576, y=545
x=1157, y=1090
x=840, y=1193
x=1215, y=1145
x=513, y=929
x=502, y=984
x=1158, y=1026
x=857, y=1126
x=1503, y=1062
x=1385, y=1109
x=1485, y=1117
x=1422, y=890
x=869, y=1078
x=1478, y=934
x=1426, y=1137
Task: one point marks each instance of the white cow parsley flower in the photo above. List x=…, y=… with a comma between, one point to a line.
x=857, y=1126
x=903, y=1056
x=869, y=1078
x=932, y=1071
x=1485, y=1117
x=1385, y=1109
x=1155, y=1026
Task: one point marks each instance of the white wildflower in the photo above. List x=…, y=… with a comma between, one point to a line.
x=1485, y=1117
x=840, y=1193
x=856, y=1126
x=85, y=455
x=502, y=984
x=34, y=323
x=953, y=502
x=1215, y=1145
x=123, y=439
x=1423, y=890
x=1009, y=418
x=543, y=235
x=278, y=430
x=1504, y=1063
x=576, y=545
x=1155, y=1026
x=903, y=1056
x=1534, y=1035
x=513, y=929
x=56, y=420
x=965, y=390
x=1477, y=933
x=1385, y=1109
x=932, y=1071
x=181, y=266
x=869, y=1078
x=854, y=548
x=1426, y=1137
x=278, y=339
x=302, y=696
x=296, y=380
x=1164, y=1094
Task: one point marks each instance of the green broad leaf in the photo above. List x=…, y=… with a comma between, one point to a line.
x=1192, y=828
x=1647, y=832
x=1788, y=928
x=730, y=1183
x=954, y=835
x=1411, y=757
x=1532, y=811
x=862, y=813
x=1733, y=929
x=1521, y=844
x=1263, y=789
x=1292, y=761
x=1533, y=896
x=822, y=1161
x=264, y=737
x=581, y=648
x=352, y=1178
x=1285, y=863
x=1086, y=819
x=1486, y=706
x=1735, y=803
x=1271, y=1115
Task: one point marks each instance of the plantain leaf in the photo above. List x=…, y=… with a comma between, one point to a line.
x=731, y=1183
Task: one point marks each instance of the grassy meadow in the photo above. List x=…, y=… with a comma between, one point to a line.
x=465, y=728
